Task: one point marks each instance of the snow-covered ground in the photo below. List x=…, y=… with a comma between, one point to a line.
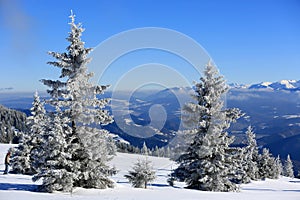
x=21, y=187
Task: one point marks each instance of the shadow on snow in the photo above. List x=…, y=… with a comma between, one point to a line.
x=269, y=190
x=20, y=187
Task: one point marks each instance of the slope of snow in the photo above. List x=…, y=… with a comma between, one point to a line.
x=21, y=187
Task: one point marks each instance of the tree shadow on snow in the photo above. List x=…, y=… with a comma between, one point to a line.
x=294, y=181
x=270, y=190
x=159, y=185
x=165, y=170
x=123, y=182
x=291, y=190
x=162, y=185
x=20, y=187
x=259, y=189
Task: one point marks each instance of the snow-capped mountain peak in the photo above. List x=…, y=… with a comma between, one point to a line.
x=266, y=83
x=291, y=85
x=288, y=83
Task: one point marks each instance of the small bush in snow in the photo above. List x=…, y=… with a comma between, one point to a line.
x=141, y=174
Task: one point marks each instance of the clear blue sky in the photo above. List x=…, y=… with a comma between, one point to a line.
x=249, y=40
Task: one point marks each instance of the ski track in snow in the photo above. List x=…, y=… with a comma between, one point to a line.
x=15, y=186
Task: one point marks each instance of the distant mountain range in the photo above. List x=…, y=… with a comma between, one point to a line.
x=290, y=85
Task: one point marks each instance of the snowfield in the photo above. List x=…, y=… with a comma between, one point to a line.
x=14, y=186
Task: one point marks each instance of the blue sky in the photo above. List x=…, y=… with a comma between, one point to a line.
x=250, y=41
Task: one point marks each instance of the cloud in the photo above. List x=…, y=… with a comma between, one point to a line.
x=243, y=96
x=5, y=89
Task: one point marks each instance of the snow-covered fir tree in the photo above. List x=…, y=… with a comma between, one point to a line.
x=239, y=174
x=167, y=152
x=30, y=141
x=209, y=162
x=251, y=155
x=53, y=158
x=141, y=174
x=145, y=150
x=288, y=167
x=162, y=152
x=156, y=152
x=267, y=165
x=90, y=148
x=20, y=159
x=279, y=167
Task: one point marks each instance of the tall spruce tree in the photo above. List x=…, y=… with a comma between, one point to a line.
x=76, y=97
x=24, y=154
x=209, y=162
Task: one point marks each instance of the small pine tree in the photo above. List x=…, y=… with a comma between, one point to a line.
x=162, y=152
x=24, y=156
x=288, y=167
x=267, y=165
x=279, y=167
x=145, y=150
x=251, y=155
x=156, y=152
x=168, y=152
x=53, y=159
x=20, y=159
x=141, y=174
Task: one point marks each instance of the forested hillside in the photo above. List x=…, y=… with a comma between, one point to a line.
x=12, y=122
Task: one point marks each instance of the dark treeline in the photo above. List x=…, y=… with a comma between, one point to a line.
x=12, y=122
